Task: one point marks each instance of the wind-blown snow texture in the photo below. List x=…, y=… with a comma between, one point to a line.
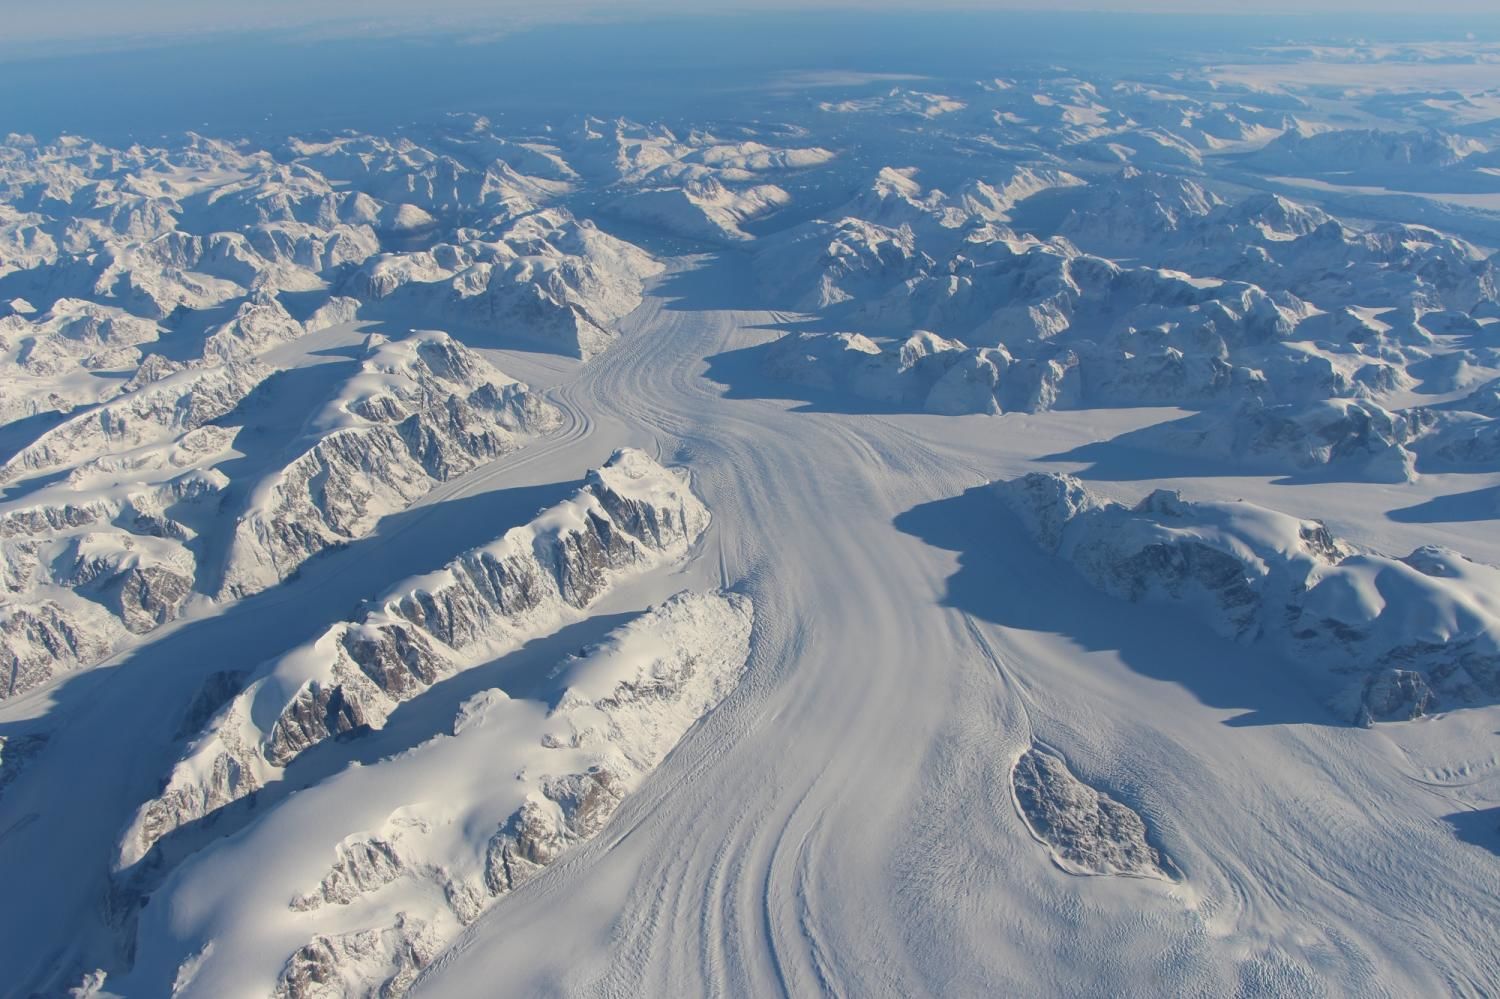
x=769, y=552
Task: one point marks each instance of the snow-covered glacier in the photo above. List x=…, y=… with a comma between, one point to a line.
x=735, y=506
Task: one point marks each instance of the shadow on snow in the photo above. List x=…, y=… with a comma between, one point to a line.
x=1006, y=579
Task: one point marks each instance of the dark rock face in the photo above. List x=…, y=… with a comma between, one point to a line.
x=35, y=639
x=389, y=959
x=583, y=558
x=1393, y=695
x=217, y=690
x=361, y=867
x=486, y=590
x=150, y=596
x=631, y=514
x=1178, y=567
x=657, y=527
x=421, y=411
x=313, y=966
x=127, y=565
x=229, y=780
x=535, y=836
x=42, y=519
x=158, y=411
x=15, y=751
x=315, y=714
x=399, y=660
x=1088, y=831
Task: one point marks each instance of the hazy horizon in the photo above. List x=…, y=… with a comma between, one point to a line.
x=90, y=24
x=247, y=81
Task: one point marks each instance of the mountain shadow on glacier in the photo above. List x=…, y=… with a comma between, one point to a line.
x=184, y=331
x=742, y=374
x=526, y=672
x=18, y=435
x=1004, y=578
x=719, y=280
x=1480, y=826
x=36, y=483
x=1454, y=508
x=271, y=420
x=1120, y=460
x=122, y=716
x=1139, y=455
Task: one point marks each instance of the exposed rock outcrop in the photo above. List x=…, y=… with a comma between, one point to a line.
x=1387, y=637
x=631, y=514
x=420, y=411
x=560, y=773
x=1087, y=831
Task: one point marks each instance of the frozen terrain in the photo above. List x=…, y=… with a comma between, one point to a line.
x=1026, y=532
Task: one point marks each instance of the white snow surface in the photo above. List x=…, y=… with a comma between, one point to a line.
x=437, y=811
x=383, y=514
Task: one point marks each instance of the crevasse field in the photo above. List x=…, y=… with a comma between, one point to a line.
x=969, y=506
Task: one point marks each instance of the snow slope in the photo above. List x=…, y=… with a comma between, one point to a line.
x=366, y=902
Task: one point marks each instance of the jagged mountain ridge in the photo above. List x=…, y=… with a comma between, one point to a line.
x=231, y=431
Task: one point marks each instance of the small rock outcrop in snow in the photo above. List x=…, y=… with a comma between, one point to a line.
x=381, y=963
x=1087, y=831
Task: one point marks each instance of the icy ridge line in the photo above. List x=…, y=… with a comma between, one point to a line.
x=86, y=565
x=631, y=515
x=625, y=704
x=421, y=410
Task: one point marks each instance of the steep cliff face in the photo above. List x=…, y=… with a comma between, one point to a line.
x=631, y=515
x=419, y=411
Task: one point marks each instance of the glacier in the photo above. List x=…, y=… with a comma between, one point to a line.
x=1007, y=515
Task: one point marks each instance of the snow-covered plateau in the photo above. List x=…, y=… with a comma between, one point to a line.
x=877, y=534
